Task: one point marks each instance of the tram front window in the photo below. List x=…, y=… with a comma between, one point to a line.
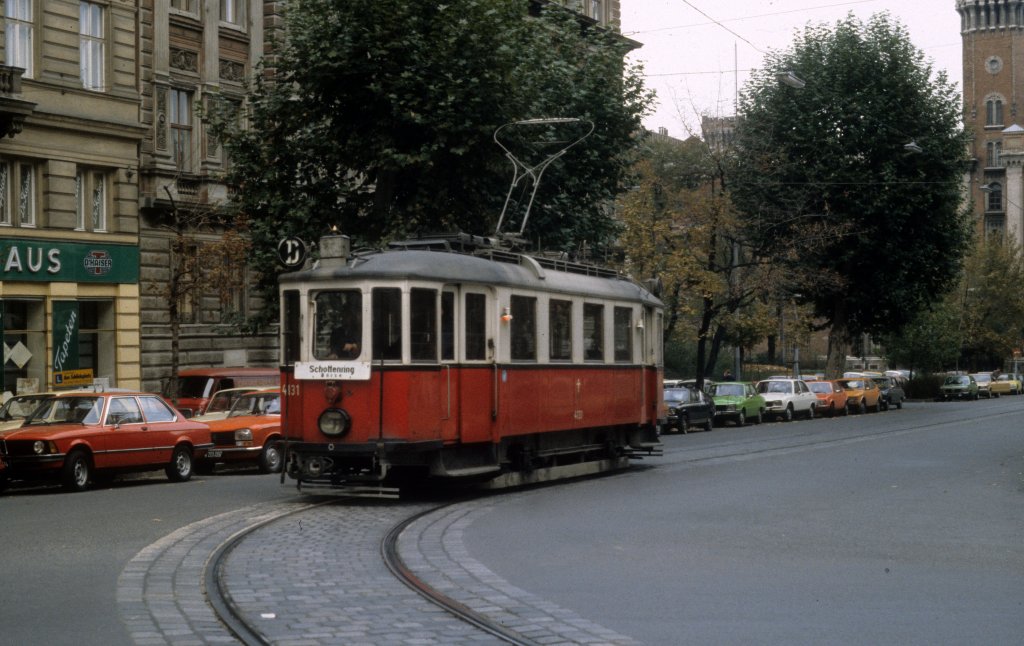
x=339, y=324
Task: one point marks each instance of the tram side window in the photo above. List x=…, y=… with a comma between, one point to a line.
x=290, y=341
x=560, y=330
x=423, y=324
x=447, y=326
x=476, y=327
x=524, y=328
x=593, y=332
x=339, y=324
x=387, y=323
x=623, y=341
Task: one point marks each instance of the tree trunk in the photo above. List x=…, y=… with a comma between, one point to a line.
x=838, y=343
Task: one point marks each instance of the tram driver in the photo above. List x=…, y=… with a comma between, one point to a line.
x=343, y=316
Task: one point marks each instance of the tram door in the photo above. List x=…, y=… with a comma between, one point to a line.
x=450, y=375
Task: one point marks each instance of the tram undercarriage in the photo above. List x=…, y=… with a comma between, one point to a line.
x=514, y=461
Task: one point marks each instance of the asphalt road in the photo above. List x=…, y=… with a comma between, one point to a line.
x=894, y=528
x=905, y=527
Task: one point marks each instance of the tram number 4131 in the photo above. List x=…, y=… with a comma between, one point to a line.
x=290, y=390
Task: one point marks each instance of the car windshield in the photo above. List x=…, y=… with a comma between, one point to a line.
x=21, y=406
x=775, y=387
x=728, y=390
x=678, y=395
x=982, y=379
x=257, y=404
x=953, y=381
x=223, y=400
x=819, y=386
x=60, y=410
x=852, y=384
x=194, y=387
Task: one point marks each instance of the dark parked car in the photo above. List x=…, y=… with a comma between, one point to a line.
x=688, y=408
x=892, y=392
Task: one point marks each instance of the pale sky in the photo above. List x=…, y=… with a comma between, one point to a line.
x=694, y=63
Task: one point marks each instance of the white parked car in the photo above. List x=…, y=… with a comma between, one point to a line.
x=787, y=398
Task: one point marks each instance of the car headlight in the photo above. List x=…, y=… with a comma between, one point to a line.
x=39, y=447
x=672, y=411
x=243, y=435
x=334, y=422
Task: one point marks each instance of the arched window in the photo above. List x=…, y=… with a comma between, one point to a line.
x=994, y=112
x=995, y=197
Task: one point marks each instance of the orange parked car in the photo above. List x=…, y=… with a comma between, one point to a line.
x=250, y=433
x=862, y=393
x=832, y=399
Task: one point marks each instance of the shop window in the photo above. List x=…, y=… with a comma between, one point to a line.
x=524, y=328
x=24, y=346
x=97, y=338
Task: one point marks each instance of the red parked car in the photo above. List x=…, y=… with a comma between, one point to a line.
x=77, y=437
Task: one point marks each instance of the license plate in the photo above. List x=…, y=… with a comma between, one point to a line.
x=214, y=453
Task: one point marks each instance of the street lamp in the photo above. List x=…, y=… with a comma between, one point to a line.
x=791, y=79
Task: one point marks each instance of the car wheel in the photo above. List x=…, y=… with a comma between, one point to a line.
x=760, y=416
x=787, y=416
x=270, y=458
x=180, y=468
x=975, y=397
x=810, y=412
x=4, y=482
x=708, y=425
x=899, y=405
x=862, y=407
x=883, y=405
x=741, y=419
x=77, y=470
x=684, y=425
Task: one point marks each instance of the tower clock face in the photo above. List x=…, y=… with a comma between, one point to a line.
x=993, y=64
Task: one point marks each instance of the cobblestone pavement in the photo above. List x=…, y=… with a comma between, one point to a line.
x=313, y=574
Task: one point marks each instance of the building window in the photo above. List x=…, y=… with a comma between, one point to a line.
x=90, y=45
x=232, y=12
x=181, y=128
x=91, y=200
x=995, y=197
x=18, y=31
x=596, y=10
x=183, y=5
x=994, y=112
x=993, y=150
x=17, y=194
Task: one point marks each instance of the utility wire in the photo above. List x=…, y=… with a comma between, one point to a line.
x=760, y=15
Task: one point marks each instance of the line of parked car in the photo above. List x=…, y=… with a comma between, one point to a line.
x=82, y=437
x=980, y=384
x=780, y=398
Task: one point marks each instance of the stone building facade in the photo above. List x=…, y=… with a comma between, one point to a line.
x=69, y=163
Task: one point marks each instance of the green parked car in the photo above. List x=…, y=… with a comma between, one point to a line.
x=737, y=402
x=958, y=387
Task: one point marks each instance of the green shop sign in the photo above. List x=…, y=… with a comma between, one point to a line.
x=68, y=262
x=65, y=335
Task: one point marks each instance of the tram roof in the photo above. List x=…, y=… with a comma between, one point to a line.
x=502, y=269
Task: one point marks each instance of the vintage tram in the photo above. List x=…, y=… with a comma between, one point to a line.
x=455, y=358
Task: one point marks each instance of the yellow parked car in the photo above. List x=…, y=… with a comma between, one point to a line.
x=862, y=393
x=1006, y=385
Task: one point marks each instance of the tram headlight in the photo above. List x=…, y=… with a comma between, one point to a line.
x=334, y=422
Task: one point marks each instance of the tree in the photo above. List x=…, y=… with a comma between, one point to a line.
x=835, y=151
x=379, y=117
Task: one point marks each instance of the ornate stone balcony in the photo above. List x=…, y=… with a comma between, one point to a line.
x=13, y=109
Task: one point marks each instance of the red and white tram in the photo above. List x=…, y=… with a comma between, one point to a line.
x=453, y=358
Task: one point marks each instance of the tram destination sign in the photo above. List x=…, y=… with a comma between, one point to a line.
x=71, y=262
x=333, y=370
